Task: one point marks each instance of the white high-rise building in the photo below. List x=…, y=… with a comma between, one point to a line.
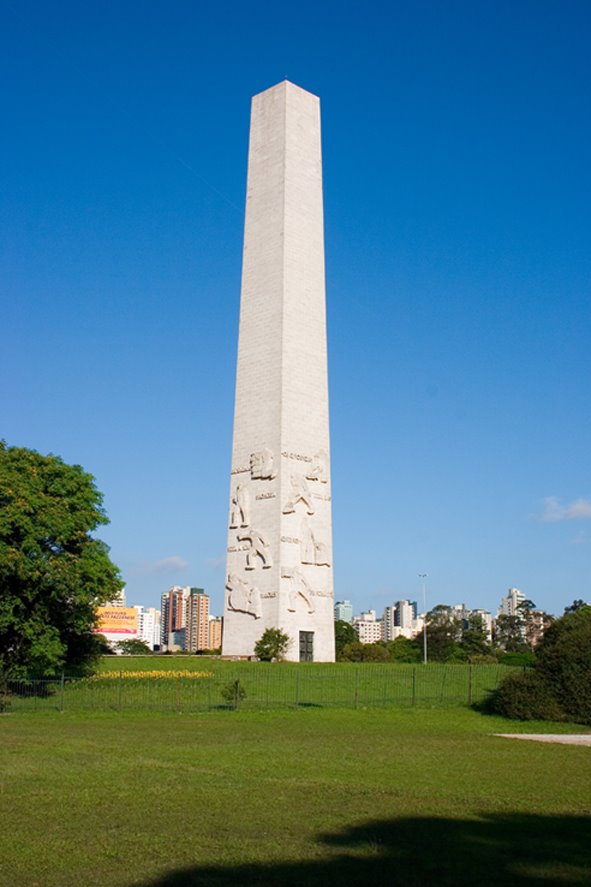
x=148, y=625
x=510, y=603
x=279, y=561
x=400, y=620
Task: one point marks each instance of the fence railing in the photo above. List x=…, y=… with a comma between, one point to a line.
x=260, y=686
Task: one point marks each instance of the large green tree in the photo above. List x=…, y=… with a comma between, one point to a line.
x=558, y=687
x=53, y=572
x=564, y=662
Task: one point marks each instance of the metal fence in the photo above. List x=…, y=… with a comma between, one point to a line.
x=258, y=686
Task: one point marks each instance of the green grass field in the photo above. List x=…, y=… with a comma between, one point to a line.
x=409, y=796
x=191, y=684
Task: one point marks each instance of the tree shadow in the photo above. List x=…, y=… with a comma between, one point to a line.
x=524, y=850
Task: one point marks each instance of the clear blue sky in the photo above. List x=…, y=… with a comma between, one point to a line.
x=456, y=143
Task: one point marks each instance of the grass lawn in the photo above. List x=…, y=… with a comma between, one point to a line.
x=191, y=684
x=308, y=797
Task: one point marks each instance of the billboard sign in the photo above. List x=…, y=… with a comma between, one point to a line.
x=119, y=621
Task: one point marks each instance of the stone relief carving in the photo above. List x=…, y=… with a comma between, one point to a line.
x=298, y=456
x=299, y=589
x=262, y=465
x=319, y=468
x=258, y=547
x=312, y=550
x=306, y=544
x=300, y=492
x=240, y=514
x=242, y=597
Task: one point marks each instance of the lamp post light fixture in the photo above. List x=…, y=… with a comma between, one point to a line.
x=423, y=576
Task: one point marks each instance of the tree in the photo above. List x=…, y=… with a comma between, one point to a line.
x=564, y=663
x=344, y=634
x=234, y=693
x=577, y=604
x=444, y=632
x=403, y=649
x=359, y=652
x=559, y=685
x=509, y=634
x=474, y=637
x=53, y=572
x=133, y=647
x=273, y=645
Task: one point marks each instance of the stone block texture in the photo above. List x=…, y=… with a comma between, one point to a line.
x=279, y=563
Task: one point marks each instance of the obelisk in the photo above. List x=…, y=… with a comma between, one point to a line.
x=279, y=563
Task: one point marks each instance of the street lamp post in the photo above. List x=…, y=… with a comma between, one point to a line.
x=423, y=576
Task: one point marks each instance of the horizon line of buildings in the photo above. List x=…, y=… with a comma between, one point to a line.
x=402, y=619
x=184, y=622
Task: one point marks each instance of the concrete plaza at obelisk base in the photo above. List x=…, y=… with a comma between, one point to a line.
x=279, y=562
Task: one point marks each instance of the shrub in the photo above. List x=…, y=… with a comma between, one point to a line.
x=525, y=658
x=564, y=662
x=525, y=696
x=234, y=693
x=272, y=645
x=558, y=687
x=358, y=652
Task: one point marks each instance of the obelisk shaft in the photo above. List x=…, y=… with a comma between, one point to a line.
x=279, y=570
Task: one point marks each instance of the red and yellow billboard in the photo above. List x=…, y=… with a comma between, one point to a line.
x=117, y=620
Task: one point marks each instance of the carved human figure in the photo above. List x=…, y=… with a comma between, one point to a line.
x=299, y=588
x=242, y=597
x=306, y=544
x=300, y=492
x=240, y=514
x=259, y=547
x=312, y=551
x=262, y=465
x=319, y=467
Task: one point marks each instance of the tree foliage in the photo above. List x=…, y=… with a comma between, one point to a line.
x=510, y=634
x=524, y=696
x=133, y=647
x=474, y=639
x=559, y=685
x=53, y=572
x=577, y=604
x=234, y=693
x=272, y=646
x=564, y=662
x=359, y=652
x=444, y=633
x=403, y=649
x=344, y=634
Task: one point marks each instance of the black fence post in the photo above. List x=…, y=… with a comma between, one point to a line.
x=62, y=693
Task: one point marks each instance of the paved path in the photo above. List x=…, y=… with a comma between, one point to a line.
x=565, y=738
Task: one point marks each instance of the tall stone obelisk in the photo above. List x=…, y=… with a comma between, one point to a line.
x=279, y=565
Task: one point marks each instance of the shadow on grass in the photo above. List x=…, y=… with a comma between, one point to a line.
x=509, y=849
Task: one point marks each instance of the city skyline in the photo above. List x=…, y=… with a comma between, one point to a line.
x=457, y=195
